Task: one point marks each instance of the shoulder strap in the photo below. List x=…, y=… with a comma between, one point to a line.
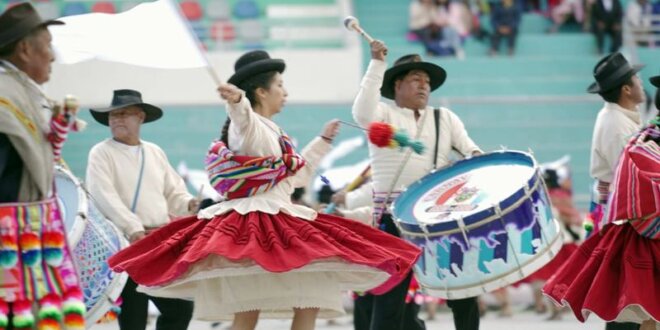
x=436, y=116
x=139, y=181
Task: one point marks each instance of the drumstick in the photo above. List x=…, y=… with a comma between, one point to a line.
x=357, y=182
x=352, y=23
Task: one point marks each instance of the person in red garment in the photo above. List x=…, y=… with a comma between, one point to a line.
x=257, y=254
x=615, y=273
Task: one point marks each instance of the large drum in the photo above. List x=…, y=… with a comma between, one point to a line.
x=93, y=239
x=483, y=223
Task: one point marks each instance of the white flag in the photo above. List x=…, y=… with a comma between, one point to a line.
x=151, y=34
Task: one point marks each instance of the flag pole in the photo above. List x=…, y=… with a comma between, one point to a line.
x=209, y=68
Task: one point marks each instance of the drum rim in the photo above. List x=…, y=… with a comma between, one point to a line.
x=479, y=218
x=76, y=231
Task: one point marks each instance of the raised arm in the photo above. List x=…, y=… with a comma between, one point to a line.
x=314, y=152
x=238, y=109
x=366, y=107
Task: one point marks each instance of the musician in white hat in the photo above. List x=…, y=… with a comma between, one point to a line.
x=616, y=81
x=134, y=185
x=408, y=83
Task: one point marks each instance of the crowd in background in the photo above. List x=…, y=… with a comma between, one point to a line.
x=442, y=26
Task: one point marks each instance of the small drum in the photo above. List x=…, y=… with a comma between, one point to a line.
x=483, y=223
x=93, y=239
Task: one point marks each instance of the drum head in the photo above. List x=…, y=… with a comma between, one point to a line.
x=467, y=190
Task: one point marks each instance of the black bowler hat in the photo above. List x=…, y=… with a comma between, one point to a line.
x=253, y=63
x=407, y=63
x=611, y=72
x=18, y=21
x=655, y=81
x=123, y=98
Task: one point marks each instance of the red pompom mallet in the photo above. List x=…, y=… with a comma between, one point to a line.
x=380, y=134
x=384, y=135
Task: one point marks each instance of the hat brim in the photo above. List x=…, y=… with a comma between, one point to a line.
x=655, y=81
x=437, y=76
x=594, y=88
x=152, y=112
x=255, y=68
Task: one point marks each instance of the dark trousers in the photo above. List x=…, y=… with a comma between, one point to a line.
x=614, y=31
x=466, y=313
x=175, y=313
x=497, y=37
x=388, y=311
x=621, y=326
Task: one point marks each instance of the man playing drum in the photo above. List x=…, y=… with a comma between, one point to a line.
x=133, y=185
x=36, y=269
x=408, y=83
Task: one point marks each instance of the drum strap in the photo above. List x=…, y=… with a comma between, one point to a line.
x=139, y=180
x=436, y=116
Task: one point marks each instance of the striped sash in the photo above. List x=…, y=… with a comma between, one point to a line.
x=235, y=176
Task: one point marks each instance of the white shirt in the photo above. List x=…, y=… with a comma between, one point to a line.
x=614, y=127
x=112, y=175
x=385, y=162
x=358, y=204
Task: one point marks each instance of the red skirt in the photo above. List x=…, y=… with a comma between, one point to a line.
x=614, y=274
x=554, y=265
x=277, y=243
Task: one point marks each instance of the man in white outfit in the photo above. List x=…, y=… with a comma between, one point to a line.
x=408, y=83
x=134, y=185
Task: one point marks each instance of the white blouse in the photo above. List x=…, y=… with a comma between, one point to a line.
x=251, y=134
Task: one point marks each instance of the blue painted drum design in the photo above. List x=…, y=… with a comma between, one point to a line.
x=482, y=223
x=93, y=239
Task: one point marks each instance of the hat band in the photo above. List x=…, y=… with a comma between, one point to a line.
x=614, y=77
x=120, y=100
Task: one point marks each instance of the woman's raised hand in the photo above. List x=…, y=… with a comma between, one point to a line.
x=330, y=130
x=230, y=93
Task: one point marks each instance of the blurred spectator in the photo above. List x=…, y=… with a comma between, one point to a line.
x=323, y=196
x=562, y=12
x=637, y=13
x=607, y=16
x=505, y=18
x=455, y=21
x=638, y=18
x=297, y=196
x=422, y=24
